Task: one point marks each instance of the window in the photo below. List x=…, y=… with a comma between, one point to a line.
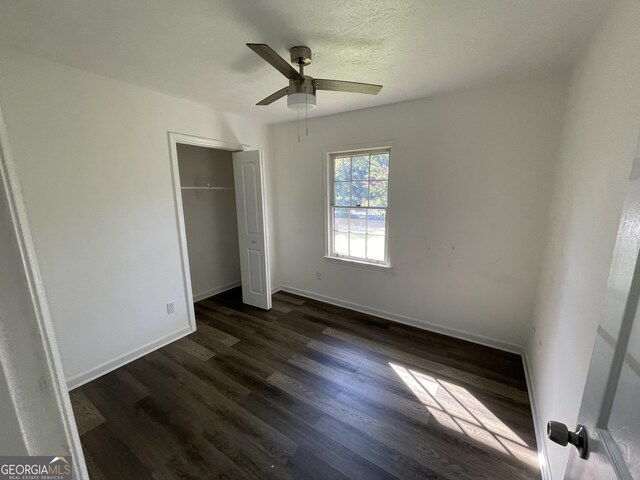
x=358, y=206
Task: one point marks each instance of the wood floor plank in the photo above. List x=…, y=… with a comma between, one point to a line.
x=362, y=362
x=349, y=415
x=435, y=367
x=360, y=389
x=269, y=329
x=434, y=455
x=301, y=428
x=214, y=460
x=237, y=328
x=279, y=306
x=115, y=459
x=433, y=347
x=260, y=433
x=147, y=441
x=388, y=459
x=290, y=298
x=309, y=391
x=194, y=349
x=214, y=443
x=215, y=334
x=250, y=373
x=380, y=374
x=121, y=384
x=200, y=377
x=87, y=415
x=231, y=434
x=308, y=465
x=373, y=356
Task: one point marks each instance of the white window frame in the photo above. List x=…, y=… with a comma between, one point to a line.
x=330, y=205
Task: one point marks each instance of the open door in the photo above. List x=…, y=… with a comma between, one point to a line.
x=610, y=410
x=252, y=228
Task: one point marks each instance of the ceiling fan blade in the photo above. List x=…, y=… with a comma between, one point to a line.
x=342, y=86
x=279, y=63
x=274, y=96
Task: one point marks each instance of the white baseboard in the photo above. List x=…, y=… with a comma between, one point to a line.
x=106, y=367
x=406, y=320
x=538, y=423
x=215, y=291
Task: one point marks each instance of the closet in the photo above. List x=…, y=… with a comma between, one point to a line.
x=210, y=220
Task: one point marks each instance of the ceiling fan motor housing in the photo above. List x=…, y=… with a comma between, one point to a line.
x=300, y=55
x=305, y=86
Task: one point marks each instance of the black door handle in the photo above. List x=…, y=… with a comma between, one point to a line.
x=560, y=434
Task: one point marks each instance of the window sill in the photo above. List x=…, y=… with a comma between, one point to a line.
x=356, y=263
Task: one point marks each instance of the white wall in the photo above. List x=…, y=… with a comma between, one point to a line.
x=470, y=180
x=92, y=156
x=600, y=134
x=210, y=219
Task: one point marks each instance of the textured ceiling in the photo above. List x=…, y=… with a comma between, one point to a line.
x=196, y=49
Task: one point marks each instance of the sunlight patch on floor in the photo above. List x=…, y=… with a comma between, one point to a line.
x=480, y=412
x=455, y=408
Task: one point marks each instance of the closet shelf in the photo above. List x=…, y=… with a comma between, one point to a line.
x=206, y=188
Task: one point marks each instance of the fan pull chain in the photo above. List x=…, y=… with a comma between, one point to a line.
x=306, y=113
x=298, y=126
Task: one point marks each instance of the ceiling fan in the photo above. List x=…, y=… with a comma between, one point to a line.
x=301, y=92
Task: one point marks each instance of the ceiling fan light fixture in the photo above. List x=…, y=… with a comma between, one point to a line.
x=300, y=101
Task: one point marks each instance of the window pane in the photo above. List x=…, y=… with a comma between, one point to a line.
x=360, y=168
x=342, y=169
x=357, y=245
x=341, y=219
x=375, y=247
x=341, y=243
x=376, y=221
x=360, y=183
x=378, y=194
x=342, y=193
x=360, y=194
x=358, y=221
x=379, y=167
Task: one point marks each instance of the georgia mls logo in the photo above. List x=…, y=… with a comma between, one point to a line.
x=61, y=464
x=35, y=468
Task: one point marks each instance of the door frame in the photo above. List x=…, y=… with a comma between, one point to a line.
x=42, y=410
x=185, y=139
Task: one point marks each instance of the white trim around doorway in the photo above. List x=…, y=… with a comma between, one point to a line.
x=174, y=140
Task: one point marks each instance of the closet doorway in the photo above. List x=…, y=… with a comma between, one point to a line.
x=221, y=213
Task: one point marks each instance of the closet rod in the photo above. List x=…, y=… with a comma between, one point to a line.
x=206, y=188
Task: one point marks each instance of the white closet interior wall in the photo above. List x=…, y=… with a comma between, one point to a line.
x=210, y=219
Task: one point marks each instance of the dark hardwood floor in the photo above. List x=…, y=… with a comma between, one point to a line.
x=312, y=391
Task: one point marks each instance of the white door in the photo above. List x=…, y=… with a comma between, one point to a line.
x=610, y=410
x=252, y=228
